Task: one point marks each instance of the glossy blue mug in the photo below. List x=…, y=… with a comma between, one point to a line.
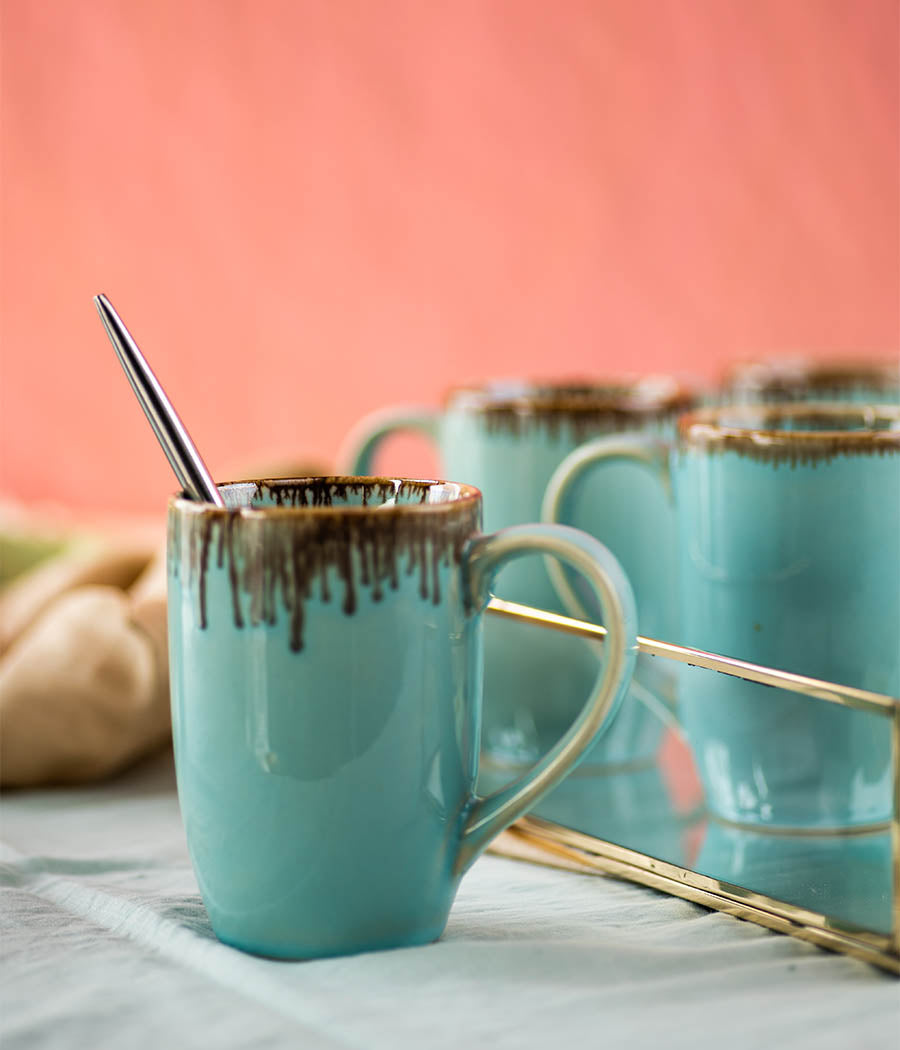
x=788, y=522
x=326, y=676
x=507, y=439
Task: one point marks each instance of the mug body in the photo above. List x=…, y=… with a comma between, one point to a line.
x=789, y=522
x=326, y=678
x=507, y=439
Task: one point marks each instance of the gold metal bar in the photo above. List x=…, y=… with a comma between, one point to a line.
x=575, y=849
x=845, y=695
x=686, y=884
x=557, y=838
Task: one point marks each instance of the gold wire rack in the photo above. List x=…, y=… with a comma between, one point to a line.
x=533, y=838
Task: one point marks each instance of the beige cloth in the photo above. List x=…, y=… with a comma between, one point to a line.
x=84, y=685
x=83, y=665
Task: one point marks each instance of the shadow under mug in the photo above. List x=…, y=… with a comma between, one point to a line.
x=326, y=675
x=507, y=438
x=788, y=520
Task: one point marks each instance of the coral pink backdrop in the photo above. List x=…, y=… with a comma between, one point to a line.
x=306, y=210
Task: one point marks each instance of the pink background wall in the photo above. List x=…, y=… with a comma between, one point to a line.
x=306, y=210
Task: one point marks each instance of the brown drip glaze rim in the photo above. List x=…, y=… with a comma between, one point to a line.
x=275, y=558
x=706, y=429
x=323, y=490
x=642, y=397
x=797, y=374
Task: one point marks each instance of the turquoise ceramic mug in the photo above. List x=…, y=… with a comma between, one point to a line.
x=507, y=438
x=326, y=666
x=788, y=519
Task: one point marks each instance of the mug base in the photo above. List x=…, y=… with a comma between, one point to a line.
x=297, y=952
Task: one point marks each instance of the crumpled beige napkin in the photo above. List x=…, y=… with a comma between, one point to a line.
x=84, y=685
x=83, y=663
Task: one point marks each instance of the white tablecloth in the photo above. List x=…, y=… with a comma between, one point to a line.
x=105, y=943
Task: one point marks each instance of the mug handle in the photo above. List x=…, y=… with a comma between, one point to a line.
x=645, y=451
x=365, y=438
x=487, y=816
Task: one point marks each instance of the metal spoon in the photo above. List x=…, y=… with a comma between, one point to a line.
x=170, y=431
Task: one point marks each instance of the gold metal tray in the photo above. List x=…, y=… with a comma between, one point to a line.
x=648, y=825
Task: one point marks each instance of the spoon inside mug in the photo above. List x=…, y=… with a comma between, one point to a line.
x=181, y=452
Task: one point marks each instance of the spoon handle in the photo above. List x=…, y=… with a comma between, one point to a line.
x=170, y=431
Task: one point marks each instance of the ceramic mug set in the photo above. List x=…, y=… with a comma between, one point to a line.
x=328, y=659
x=767, y=533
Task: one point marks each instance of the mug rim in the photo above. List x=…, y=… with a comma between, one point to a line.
x=796, y=373
x=641, y=396
x=705, y=427
x=464, y=497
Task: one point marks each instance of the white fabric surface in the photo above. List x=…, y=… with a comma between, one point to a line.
x=105, y=943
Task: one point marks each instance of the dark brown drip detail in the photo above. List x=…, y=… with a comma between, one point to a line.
x=228, y=531
x=583, y=411
x=203, y=565
x=583, y=421
x=822, y=442
x=797, y=382
x=785, y=390
x=321, y=492
x=276, y=563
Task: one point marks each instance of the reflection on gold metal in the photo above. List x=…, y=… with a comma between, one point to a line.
x=847, y=696
x=536, y=839
x=553, y=845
